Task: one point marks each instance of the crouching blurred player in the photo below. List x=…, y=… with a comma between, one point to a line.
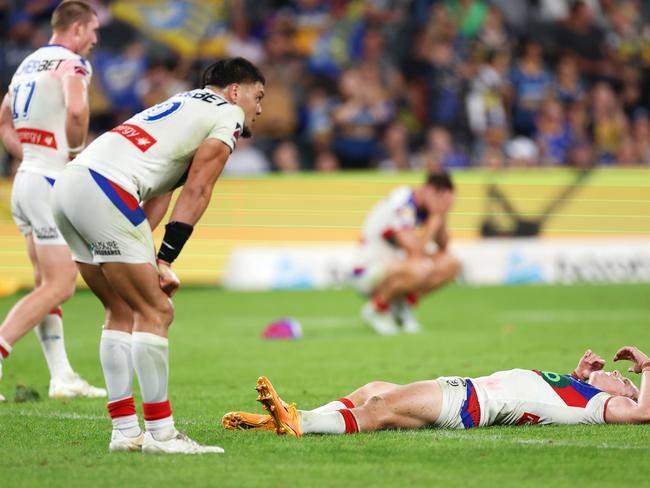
x=588, y=395
x=403, y=253
x=183, y=141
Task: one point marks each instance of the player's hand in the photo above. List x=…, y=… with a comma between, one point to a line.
x=589, y=362
x=168, y=280
x=631, y=353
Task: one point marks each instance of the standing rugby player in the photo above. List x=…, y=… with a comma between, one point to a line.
x=43, y=122
x=183, y=141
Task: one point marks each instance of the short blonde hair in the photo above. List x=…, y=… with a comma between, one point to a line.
x=70, y=11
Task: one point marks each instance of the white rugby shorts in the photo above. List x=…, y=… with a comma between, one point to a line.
x=100, y=221
x=31, y=209
x=460, y=406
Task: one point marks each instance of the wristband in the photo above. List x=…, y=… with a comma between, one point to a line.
x=176, y=235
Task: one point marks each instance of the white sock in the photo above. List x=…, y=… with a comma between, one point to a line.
x=151, y=360
x=117, y=363
x=50, y=335
x=322, y=423
x=128, y=425
x=334, y=406
x=162, y=429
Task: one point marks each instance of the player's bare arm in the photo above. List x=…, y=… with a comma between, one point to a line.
x=624, y=410
x=441, y=237
x=75, y=95
x=156, y=208
x=8, y=133
x=411, y=241
x=207, y=164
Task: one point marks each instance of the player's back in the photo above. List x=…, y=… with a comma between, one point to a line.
x=38, y=106
x=150, y=153
x=393, y=213
x=520, y=396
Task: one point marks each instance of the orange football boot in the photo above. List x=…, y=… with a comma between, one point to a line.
x=286, y=417
x=247, y=421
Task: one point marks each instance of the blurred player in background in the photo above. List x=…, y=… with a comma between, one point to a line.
x=185, y=140
x=588, y=395
x=403, y=253
x=43, y=122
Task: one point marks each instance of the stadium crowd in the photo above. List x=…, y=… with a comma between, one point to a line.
x=386, y=84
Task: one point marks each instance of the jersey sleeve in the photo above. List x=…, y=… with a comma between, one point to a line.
x=403, y=216
x=229, y=126
x=76, y=67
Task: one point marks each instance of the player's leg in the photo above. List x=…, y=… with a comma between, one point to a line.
x=57, y=282
x=119, y=236
x=375, y=312
x=116, y=360
x=238, y=420
x=138, y=286
x=410, y=406
x=406, y=281
x=57, y=267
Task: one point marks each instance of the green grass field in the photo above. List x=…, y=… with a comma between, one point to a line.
x=217, y=355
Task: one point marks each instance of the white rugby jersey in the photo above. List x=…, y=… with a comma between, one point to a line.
x=38, y=107
x=150, y=153
x=392, y=214
x=520, y=396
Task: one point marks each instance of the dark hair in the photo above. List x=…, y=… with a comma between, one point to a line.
x=69, y=12
x=231, y=70
x=440, y=181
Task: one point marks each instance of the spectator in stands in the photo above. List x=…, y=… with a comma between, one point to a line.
x=396, y=151
x=364, y=107
x=609, y=123
x=326, y=162
x=246, y=160
x=641, y=134
x=531, y=83
x=486, y=105
x=286, y=158
x=469, y=14
x=580, y=36
x=240, y=42
x=440, y=153
x=567, y=86
x=553, y=134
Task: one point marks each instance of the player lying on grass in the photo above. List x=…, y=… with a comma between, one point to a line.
x=588, y=395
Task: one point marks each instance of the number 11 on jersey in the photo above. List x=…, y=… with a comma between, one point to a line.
x=22, y=99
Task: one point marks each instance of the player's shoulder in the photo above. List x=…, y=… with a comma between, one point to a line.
x=401, y=195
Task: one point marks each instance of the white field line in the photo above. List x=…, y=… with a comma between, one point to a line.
x=69, y=416
x=447, y=435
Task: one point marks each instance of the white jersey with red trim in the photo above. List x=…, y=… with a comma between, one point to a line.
x=150, y=153
x=38, y=107
x=520, y=396
x=394, y=213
